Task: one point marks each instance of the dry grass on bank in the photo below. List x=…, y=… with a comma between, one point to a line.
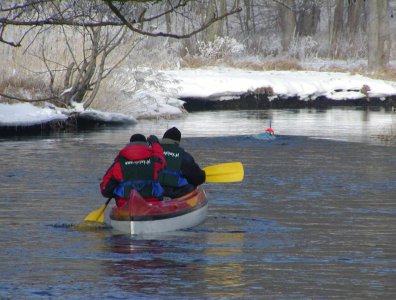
x=278, y=64
x=23, y=87
x=388, y=74
x=287, y=64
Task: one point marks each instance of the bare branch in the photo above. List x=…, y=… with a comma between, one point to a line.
x=87, y=62
x=163, y=34
x=28, y=100
x=58, y=22
x=52, y=77
x=16, y=7
x=18, y=44
x=283, y=4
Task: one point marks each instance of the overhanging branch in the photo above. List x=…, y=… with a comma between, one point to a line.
x=28, y=100
x=117, y=12
x=5, y=21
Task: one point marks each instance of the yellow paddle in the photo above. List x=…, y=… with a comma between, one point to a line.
x=225, y=172
x=98, y=214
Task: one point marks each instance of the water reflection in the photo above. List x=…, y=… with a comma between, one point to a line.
x=345, y=124
x=225, y=277
x=152, y=266
x=146, y=266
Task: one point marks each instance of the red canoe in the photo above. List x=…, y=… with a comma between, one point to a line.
x=139, y=216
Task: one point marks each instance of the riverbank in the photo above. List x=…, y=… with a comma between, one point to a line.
x=216, y=88
x=262, y=100
x=171, y=93
x=27, y=119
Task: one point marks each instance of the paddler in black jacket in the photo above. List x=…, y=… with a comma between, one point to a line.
x=182, y=174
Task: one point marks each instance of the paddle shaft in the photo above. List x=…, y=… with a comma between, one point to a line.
x=108, y=201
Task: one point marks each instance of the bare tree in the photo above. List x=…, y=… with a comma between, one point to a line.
x=378, y=35
x=216, y=7
x=355, y=17
x=97, y=21
x=83, y=77
x=308, y=18
x=288, y=19
x=210, y=11
x=338, y=27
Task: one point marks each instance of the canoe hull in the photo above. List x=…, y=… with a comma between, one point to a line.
x=188, y=220
x=141, y=217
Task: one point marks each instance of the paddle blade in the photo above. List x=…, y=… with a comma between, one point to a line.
x=225, y=172
x=96, y=215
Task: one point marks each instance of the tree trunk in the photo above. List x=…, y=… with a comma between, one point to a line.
x=355, y=17
x=338, y=26
x=308, y=19
x=248, y=10
x=168, y=19
x=384, y=35
x=241, y=24
x=288, y=19
x=213, y=30
x=221, y=23
x=378, y=35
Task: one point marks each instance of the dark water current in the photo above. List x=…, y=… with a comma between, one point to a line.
x=315, y=218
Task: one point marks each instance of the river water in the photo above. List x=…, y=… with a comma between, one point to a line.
x=314, y=218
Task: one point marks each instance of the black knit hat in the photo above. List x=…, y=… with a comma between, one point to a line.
x=138, y=138
x=173, y=134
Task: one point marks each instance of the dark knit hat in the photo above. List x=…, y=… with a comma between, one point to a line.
x=138, y=138
x=173, y=134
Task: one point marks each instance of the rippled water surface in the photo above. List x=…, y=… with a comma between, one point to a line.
x=314, y=218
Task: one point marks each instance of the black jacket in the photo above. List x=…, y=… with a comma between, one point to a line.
x=191, y=171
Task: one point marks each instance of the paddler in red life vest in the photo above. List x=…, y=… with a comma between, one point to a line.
x=135, y=167
x=182, y=174
x=270, y=131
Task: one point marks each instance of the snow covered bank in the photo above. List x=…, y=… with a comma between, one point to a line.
x=152, y=94
x=148, y=93
x=27, y=118
x=224, y=84
x=26, y=115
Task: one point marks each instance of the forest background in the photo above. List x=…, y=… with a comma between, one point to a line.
x=86, y=52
